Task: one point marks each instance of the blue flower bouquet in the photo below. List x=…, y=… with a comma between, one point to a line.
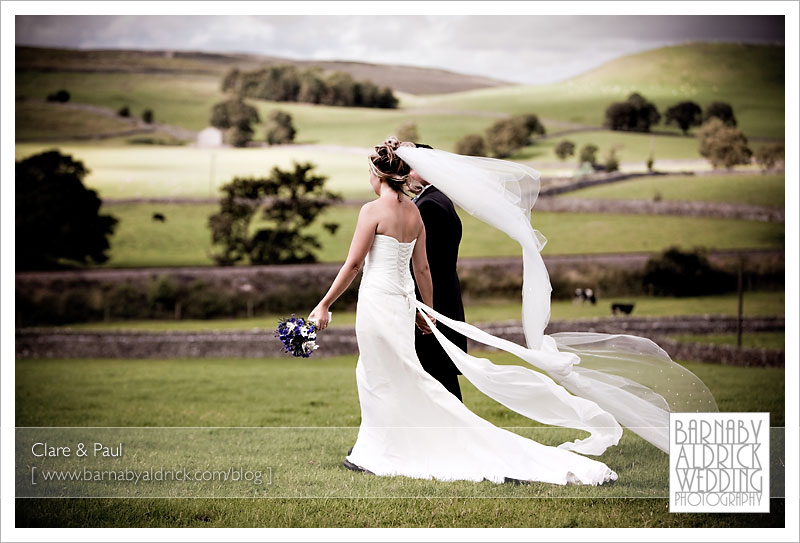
x=298, y=336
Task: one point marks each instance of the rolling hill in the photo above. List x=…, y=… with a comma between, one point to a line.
x=182, y=87
x=749, y=77
x=408, y=79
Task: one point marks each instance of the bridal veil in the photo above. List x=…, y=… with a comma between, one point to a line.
x=615, y=380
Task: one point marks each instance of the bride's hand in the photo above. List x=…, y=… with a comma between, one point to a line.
x=422, y=325
x=320, y=317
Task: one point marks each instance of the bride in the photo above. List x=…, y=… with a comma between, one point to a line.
x=410, y=424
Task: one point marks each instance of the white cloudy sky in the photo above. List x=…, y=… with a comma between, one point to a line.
x=525, y=49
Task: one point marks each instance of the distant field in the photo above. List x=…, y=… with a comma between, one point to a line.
x=184, y=100
x=142, y=171
x=766, y=303
x=121, y=170
x=43, y=119
x=399, y=77
x=761, y=340
x=185, y=239
x=628, y=147
x=749, y=77
x=367, y=127
x=763, y=190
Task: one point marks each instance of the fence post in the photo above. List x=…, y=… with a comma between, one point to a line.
x=741, y=296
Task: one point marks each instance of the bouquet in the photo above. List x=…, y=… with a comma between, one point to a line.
x=298, y=336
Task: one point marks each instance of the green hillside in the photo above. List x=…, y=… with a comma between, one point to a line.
x=180, y=93
x=400, y=78
x=749, y=77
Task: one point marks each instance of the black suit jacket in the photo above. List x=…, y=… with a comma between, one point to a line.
x=443, y=236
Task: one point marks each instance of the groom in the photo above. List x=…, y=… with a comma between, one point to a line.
x=443, y=235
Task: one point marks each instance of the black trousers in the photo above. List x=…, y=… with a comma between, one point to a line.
x=437, y=363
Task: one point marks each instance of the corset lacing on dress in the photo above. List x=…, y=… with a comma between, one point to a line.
x=386, y=268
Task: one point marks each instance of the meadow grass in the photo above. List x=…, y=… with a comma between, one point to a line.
x=762, y=189
x=749, y=77
x=118, y=169
x=760, y=340
x=311, y=487
x=139, y=171
x=759, y=303
x=45, y=119
x=629, y=147
x=179, y=99
x=187, y=99
x=184, y=239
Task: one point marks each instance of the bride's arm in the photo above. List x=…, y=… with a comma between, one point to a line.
x=422, y=271
x=422, y=274
x=359, y=247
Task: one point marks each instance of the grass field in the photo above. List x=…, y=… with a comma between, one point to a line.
x=184, y=100
x=307, y=463
x=762, y=190
x=628, y=147
x=184, y=238
x=765, y=303
x=119, y=170
x=749, y=77
x=145, y=171
x=761, y=340
x=45, y=119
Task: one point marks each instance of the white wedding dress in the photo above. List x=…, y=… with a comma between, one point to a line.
x=410, y=424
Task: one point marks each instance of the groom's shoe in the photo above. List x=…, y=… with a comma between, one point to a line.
x=349, y=465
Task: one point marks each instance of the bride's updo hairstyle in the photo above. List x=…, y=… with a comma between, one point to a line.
x=389, y=167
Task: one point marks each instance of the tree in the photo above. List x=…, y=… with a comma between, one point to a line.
x=612, y=162
x=685, y=115
x=722, y=144
x=56, y=216
x=407, y=131
x=239, y=136
x=675, y=272
x=312, y=86
x=532, y=124
x=287, y=83
x=279, y=127
x=147, y=116
x=722, y=111
x=588, y=154
x=236, y=117
x=620, y=116
x=564, y=149
x=506, y=136
x=646, y=112
x=769, y=154
x=635, y=114
x=471, y=145
x=387, y=99
x=288, y=203
x=339, y=90
x=230, y=81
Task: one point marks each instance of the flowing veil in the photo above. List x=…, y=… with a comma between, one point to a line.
x=615, y=380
